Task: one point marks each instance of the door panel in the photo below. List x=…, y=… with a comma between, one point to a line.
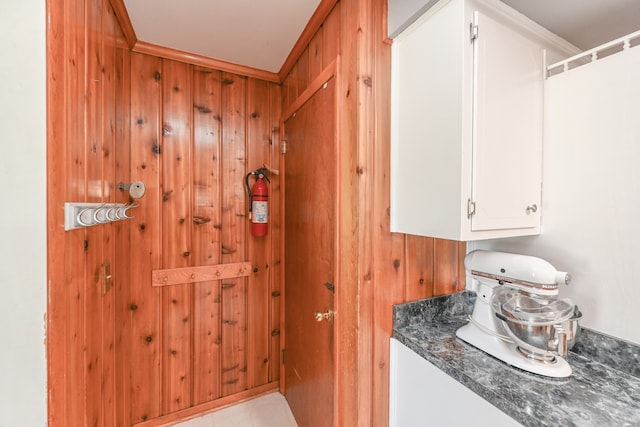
x=310, y=224
x=506, y=157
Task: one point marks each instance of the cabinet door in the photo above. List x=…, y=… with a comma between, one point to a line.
x=507, y=128
x=421, y=395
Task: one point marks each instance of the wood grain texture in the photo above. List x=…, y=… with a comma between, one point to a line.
x=144, y=317
x=124, y=22
x=276, y=233
x=348, y=337
x=319, y=16
x=122, y=265
x=177, y=323
x=315, y=53
x=107, y=109
x=234, y=168
x=110, y=103
x=81, y=108
x=419, y=270
x=258, y=248
x=302, y=72
x=203, y=61
x=94, y=188
x=210, y=406
x=206, y=273
x=391, y=268
x=206, y=234
x=65, y=177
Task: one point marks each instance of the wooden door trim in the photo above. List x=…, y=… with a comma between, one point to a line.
x=325, y=75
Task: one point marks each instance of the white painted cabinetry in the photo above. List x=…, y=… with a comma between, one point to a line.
x=421, y=395
x=467, y=121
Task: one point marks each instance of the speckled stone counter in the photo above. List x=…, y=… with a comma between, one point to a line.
x=603, y=391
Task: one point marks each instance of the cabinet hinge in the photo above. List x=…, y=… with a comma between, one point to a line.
x=473, y=31
x=283, y=353
x=471, y=208
x=283, y=147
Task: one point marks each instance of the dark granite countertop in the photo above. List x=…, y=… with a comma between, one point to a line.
x=603, y=391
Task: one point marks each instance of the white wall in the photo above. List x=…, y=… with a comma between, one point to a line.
x=591, y=191
x=23, y=387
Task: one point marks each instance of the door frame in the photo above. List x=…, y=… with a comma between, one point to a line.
x=344, y=327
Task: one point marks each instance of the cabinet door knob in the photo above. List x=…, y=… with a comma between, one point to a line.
x=532, y=209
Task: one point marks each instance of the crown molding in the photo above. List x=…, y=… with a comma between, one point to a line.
x=125, y=22
x=203, y=61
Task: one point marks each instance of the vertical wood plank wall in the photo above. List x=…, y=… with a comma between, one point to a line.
x=86, y=95
x=195, y=133
x=137, y=353
x=392, y=268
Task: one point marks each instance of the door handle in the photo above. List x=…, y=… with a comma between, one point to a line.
x=327, y=315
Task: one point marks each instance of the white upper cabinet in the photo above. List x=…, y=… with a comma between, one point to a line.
x=467, y=121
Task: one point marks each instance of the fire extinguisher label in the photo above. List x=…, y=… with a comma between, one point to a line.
x=260, y=212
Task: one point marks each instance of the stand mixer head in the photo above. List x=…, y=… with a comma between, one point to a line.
x=517, y=317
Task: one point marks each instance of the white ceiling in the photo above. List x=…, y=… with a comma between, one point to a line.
x=584, y=23
x=255, y=33
x=260, y=34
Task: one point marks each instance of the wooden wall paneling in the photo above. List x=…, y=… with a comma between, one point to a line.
x=76, y=191
x=319, y=15
x=462, y=274
x=419, y=266
x=121, y=269
x=93, y=182
x=143, y=302
x=368, y=235
x=65, y=177
x=446, y=267
x=203, y=61
x=124, y=22
x=258, y=248
x=177, y=322
x=234, y=168
x=393, y=255
x=349, y=374
x=275, y=230
x=303, y=78
x=110, y=28
x=331, y=37
x=291, y=84
x=286, y=82
x=206, y=231
x=315, y=54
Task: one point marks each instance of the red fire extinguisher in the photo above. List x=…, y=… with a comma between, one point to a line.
x=258, y=202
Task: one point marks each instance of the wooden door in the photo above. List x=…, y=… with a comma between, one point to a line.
x=310, y=242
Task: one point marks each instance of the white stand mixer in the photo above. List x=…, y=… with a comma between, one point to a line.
x=516, y=305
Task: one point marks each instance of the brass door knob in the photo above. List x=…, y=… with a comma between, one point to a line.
x=328, y=315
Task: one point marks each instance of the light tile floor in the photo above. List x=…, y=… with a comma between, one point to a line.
x=270, y=410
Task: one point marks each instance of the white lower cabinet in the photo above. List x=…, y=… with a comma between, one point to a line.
x=421, y=395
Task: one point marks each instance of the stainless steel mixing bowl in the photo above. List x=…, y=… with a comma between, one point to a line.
x=556, y=338
x=541, y=326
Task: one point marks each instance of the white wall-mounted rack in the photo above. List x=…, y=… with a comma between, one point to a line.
x=592, y=55
x=79, y=215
